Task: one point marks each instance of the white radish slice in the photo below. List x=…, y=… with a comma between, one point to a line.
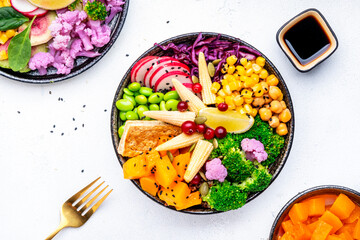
x=166, y=68
x=153, y=68
x=23, y=6
x=164, y=83
x=138, y=64
x=143, y=68
x=38, y=12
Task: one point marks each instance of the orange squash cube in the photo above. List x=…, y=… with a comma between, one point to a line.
x=165, y=173
x=333, y=237
x=149, y=185
x=192, y=200
x=313, y=226
x=356, y=232
x=322, y=231
x=331, y=219
x=345, y=236
x=135, y=167
x=355, y=215
x=151, y=158
x=287, y=236
x=299, y=212
x=316, y=206
x=342, y=206
x=180, y=164
x=287, y=226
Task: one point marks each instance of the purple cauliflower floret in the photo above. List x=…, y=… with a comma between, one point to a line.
x=41, y=61
x=100, y=34
x=254, y=149
x=61, y=42
x=215, y=170
x=64, y=62
x=114, y=7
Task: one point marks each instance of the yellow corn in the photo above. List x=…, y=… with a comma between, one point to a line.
x=248, y=66
x=224, y=68
x=263, y=73
x=173, y=117
x=242, y=110
x=180, y=141
x=243, y=61
x=7, y=3
x=231, y=106
x=208, y=97
x=238, y=100
x=237, y=76
x=233, y=86
x=195, y=103
x=246, y=93
x=231, y=69
x=249, y=72
x=258, y=90
x=231, y=60
x=231, y=78
x=248, y=100
x=227, y=89
x=238, y=109
x=239, y=85
x=243, y=78
x=201, y=153
x=240, y=69
x=215, y=87
x=260, y=61
x=256, y=68
x=254, y=112
x=235, y=93
x=249, y=82
x=229, y=100
x=10, y=33
x=224, y=82
x=265, y=86
x=221, y=93
x=219, y=99
x=3, y=38
x=3, y=55
x=255, y=77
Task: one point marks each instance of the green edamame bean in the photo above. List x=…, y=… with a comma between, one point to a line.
x=124, y=105
x=154, y=107
x=171, y=95
x=128, y=92
x=121, y=130
x=131, y=115
x=141, y=110
x=146, y=91
x=141, y=99
x=135, y=110
x=130, y=98
x=122, y=116
x=156, y=97
x=134, y=87
x=162, y=106
x=136, y=94
x=171, y=105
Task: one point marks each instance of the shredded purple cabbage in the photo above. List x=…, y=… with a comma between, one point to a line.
x=213, y=48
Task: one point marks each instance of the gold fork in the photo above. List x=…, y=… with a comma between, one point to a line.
x=71, y=216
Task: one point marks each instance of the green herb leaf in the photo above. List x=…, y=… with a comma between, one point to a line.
x=19, y=50
x=11, y=19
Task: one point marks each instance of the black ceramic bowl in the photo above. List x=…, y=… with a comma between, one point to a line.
x=319, y=190
x=274, y=168
x=81, y=63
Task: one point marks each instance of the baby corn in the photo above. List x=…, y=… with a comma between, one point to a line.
x=195, y=103
x=172, y=117
x=200, y=155
x=207, y=95
x=180, y=141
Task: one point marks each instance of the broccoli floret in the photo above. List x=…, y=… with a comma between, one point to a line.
x=238, y=167
x=76, y=5
x=262, y=132
x=259, y=180
x=96, y=10
x=225, y=196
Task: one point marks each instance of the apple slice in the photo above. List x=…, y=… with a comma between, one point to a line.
x=23, y=6
x=164, y=83
x=38, y=12
x=154, y=67
x=142, y=69
x=51, y=4
x=166, y=68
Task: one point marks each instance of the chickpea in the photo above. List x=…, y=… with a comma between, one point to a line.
x=275, y=106
x=267, y=106
x=283, y=104
x=258, y=102
x=267, y=98
x=285, y=115
x=271, y=80
x=265, y=86
x=265, y=114
x=274, y=92
x=282, y=129
x=254, y=112
x=281, y=97
x=274, y=122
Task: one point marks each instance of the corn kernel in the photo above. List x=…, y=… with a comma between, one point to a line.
x=255, y=77
x=247, y=108
x=238, y=100
x=231, y=78
x=3, y=55
x=235, y=93
x=240, y=69
x=231, y=106
x=231, y=60
x=254, y=112
x=219, y=99
x=227, y=89
x=243, y=61
x=249, y=72
x=265, y=86
x=249, y=82
x=231, y=69
x=242, y=110
x=229, y=100
x=224, y=68
x=238, y=109
x=256, y=68
x=260, y=61
x=10, y=33
x=248, y=100
x=221, y=93
x=239, y=85
x=258, y=90
x=7, y=3
x=263, y=74
x=237, y=76
x=224, y=82
x=226, y=76
x=248, y=65
x=246, y=93
x=3, y=38
x=233, y=86
x=243, y=78
x=215, y=87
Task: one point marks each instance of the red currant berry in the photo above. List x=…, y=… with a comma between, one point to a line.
x=196, y=87
x=196, y=179
x=200, y=128
x=209, y=133
x=188, y=127
x=223, y=107
x=182, y=106
x=220, y=132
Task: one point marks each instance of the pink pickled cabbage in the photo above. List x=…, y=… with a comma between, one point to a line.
x=213, y=48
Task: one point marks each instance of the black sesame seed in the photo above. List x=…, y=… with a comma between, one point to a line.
x=173, y=195
x=178, y=164
x=82, y=170
x=126, y=55
x=161, y=192
x=168, y=167
x=84, y=106
x=62, y=134
x=150, y=149
x=134, y=164
x=167, y=21
x=75, y=128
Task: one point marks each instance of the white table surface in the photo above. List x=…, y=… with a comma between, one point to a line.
x=39, y=170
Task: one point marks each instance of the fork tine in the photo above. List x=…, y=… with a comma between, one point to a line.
x=97, y=205
x=81, y=192
x=83, y=200
x=93, y=199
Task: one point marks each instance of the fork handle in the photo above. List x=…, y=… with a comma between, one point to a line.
x=61, y=227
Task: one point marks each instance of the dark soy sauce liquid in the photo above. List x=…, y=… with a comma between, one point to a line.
x=307, y=40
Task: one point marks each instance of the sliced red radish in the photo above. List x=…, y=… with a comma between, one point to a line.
x=154, y=67
x=137, y=65
x=141, y=70
x=166, y=68
x=38, y=12
x=164, y=83
x=23, y=6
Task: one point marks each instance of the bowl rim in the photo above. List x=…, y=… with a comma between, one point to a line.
x=59, y=77
x=306, y=194
x=286, y=148
x=320, y=59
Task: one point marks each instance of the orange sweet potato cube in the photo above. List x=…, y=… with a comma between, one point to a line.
x=299, y=212
x=342, y=206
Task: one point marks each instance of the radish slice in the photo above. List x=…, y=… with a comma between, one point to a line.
x=23, y=6
x=38, y=12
